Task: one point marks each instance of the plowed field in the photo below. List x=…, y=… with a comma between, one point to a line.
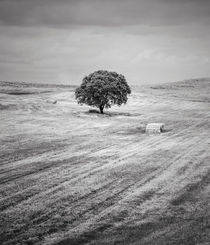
x=69, y=176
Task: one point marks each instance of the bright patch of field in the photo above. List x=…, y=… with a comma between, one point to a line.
x=72, y=177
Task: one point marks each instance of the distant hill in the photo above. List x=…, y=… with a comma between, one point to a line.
x=190, y=83
x=35, y=85
x=23, y=88
x=196, y=90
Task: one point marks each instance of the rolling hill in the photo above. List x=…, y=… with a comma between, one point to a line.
x=68, y=176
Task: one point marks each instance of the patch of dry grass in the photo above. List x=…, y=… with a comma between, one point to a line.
x=73, y=176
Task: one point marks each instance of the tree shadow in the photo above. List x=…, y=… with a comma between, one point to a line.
x=113, y=114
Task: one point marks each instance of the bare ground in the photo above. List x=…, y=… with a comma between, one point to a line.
x=68, y=176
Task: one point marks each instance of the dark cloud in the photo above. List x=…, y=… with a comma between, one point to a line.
x=65, y=13
x=147, y=40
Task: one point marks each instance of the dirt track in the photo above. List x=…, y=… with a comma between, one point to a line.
x=72, y=177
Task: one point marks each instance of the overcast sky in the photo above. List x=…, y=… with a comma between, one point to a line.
x=61, y=41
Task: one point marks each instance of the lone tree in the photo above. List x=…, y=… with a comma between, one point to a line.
x=102, y=89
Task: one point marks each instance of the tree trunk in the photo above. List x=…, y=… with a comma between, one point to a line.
x=101, y=107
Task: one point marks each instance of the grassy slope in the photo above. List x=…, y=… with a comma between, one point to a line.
x=69, y=177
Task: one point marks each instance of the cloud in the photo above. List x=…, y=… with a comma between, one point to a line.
x=66, y=14
x=146, y=40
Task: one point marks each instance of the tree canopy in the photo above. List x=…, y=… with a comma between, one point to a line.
x=102, y=89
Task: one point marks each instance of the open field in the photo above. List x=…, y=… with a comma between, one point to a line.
x=68, y=176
